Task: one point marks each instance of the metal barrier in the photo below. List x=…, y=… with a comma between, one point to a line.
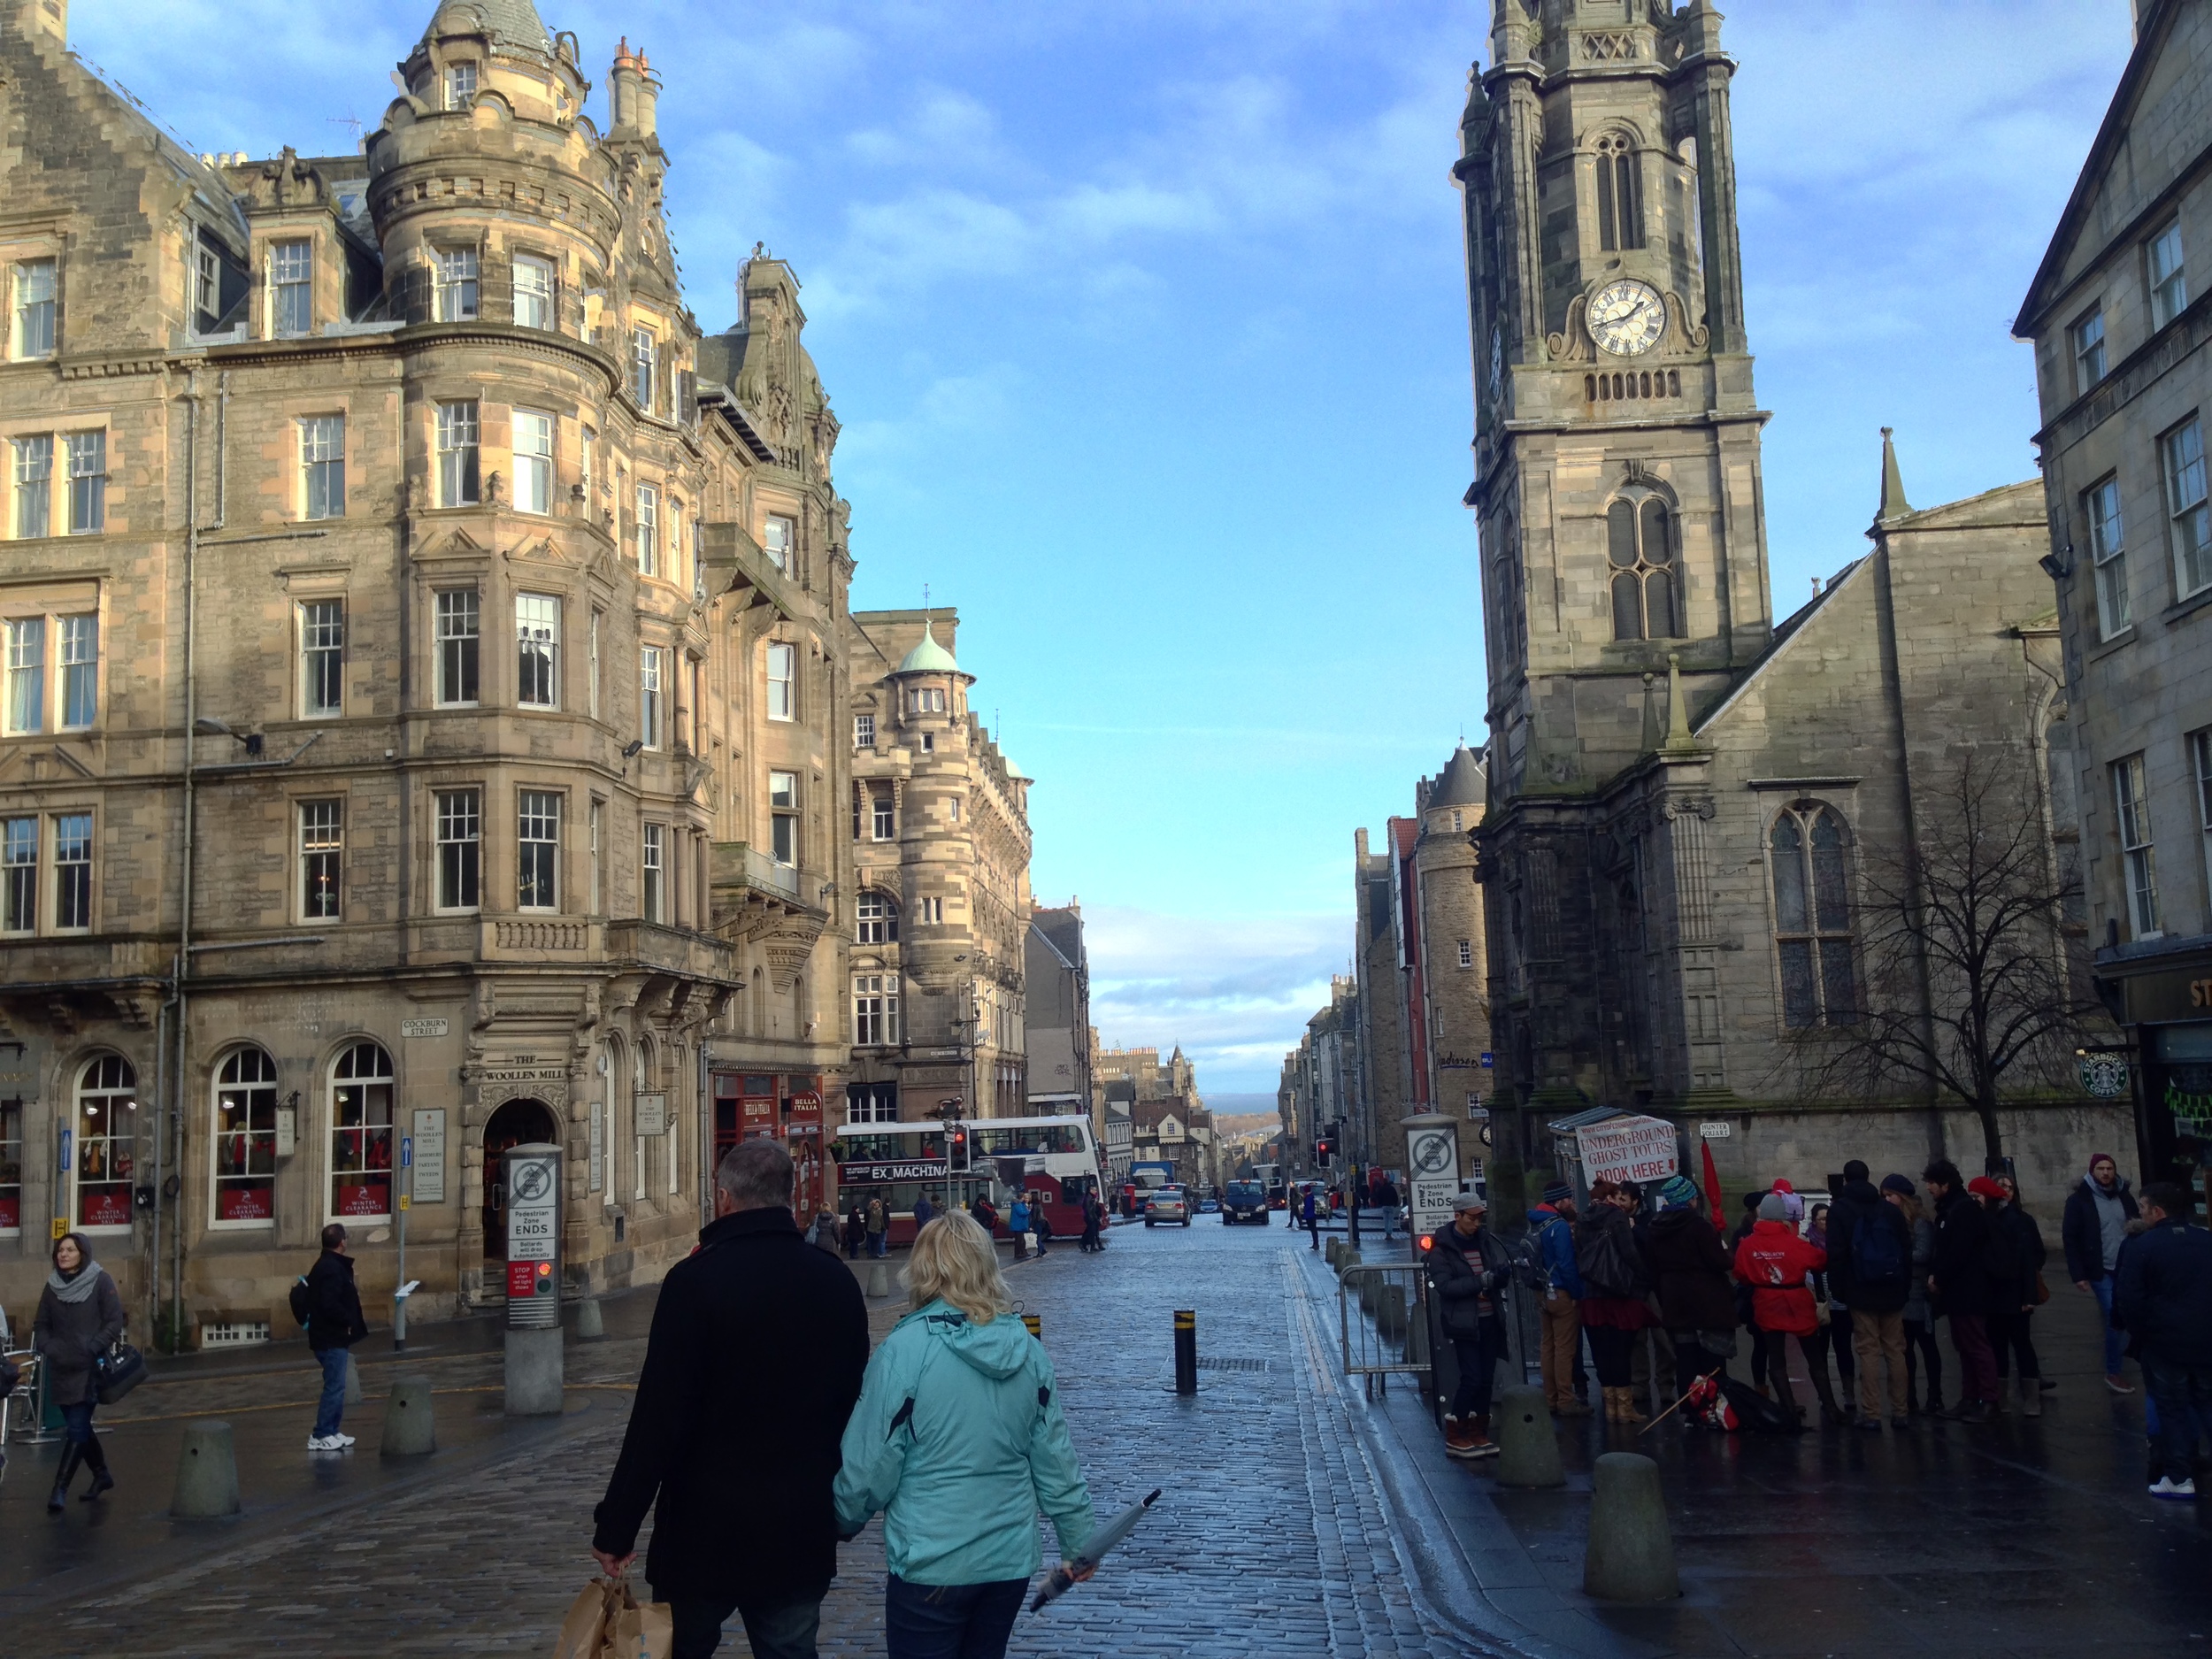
x=1384, y=1322
x=23, y=1413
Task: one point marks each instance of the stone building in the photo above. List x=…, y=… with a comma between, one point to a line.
x=941, y=837
x=2120, y=322
x=1670, y=771
x=425, y=715
x=1323, y=1088
x=1057, y=995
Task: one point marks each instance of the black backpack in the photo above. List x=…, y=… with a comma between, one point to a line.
x=303, y=1300
x=1876, y=1257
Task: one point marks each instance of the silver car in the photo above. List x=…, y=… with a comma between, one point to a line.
x=1168, y=1204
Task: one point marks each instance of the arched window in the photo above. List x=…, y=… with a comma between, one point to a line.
x=1506, y=592
x=641, y=1084
x=878, y=919
x=245, y=1139
x=1620, y=208
x=107, y=1142
x=361, y=1132
x=1641, y=543
x=1812, y=918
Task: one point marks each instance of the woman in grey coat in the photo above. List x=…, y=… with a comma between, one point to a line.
x=1920, y=1342
x=79, y=1316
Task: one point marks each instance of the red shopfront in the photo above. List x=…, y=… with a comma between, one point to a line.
x=786, y=1106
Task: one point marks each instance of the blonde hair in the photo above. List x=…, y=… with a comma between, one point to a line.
x=953, y=1260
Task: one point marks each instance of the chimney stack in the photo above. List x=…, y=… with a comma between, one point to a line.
x=626, y=82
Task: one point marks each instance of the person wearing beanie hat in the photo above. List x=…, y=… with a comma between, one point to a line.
x=1469, y=1272
x=1689, y=1275
x=2095, y=1225
x=1869, y=1273
x=1551, y=1225
x=1958, y=1277
x=1775, y=1263
x=1902, y=1184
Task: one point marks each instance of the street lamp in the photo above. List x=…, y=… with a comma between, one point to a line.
x=208, y=726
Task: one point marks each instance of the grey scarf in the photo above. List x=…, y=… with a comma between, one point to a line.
x=78, y=1286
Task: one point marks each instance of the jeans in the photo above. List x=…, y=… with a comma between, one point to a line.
x=77, y=1420
x=2011, y=1337
x=1920, y=1342
x=784, y=1631
x=2184, y=1396
x=948, y=1621
x=1477, y=1358
x=330, y=1410
x=1977, y=1363
x=1613, y=1350
x=876, y=1241
x=2101, y=1288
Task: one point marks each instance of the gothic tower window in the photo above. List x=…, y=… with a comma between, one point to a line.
x=1506, y=591
x=1812, y=918
x=1640, y=544
x=1620, y=210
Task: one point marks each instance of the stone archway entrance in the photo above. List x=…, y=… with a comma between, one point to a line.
x=517, y=1123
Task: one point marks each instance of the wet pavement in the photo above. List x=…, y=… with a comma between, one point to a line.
x=1298, y=1518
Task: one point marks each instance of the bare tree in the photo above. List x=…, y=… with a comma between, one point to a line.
x=1973, y=989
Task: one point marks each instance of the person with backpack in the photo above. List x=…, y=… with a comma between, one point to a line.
x=326, y=1302
x=1311, y=1217
x=1778, y=1266
x=2095, y=1225
x=1551, y=1225
x=959, y=1439
x=922, y=1211
x=879, y=1228
x=1869, y=1269
x=1040, y=1223
x=1469, y=1269
x=1689, y=1275
x=1614, y=1283
x=1017, y=1224
x=1958, y=1277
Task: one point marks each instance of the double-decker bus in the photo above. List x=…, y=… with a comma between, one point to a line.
x=1054, y=1160
x=1270, y=1176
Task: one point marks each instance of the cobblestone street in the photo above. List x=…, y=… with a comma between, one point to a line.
x=1270, y=1537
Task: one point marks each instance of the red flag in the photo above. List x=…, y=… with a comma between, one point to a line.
x=1712, y=1187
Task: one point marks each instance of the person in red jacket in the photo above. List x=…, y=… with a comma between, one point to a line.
x=1774, y=1262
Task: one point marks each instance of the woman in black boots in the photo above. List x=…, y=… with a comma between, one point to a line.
x=79, y=1316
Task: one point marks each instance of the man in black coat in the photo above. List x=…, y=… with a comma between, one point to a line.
x=1958, y=1275
x=755, y=1362
x=334, y=1324
x=2097, y=1216
x=2164, y=1299
x=1869, y=1272
x=1469, y=1268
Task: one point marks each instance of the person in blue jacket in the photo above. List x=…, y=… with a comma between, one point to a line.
x=1552, y=1224
x=2163, y=1301
x=960, y=1440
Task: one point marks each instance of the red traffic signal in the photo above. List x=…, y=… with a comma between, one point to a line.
x=1428, y=1239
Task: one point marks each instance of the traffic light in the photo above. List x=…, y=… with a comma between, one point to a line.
x=1325, y=1147
x=956, y=1149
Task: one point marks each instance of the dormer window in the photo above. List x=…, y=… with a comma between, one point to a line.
x=460, y=86
x=291, y=288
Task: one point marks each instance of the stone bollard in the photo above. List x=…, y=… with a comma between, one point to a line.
x=353, y=1380
x=879, y=1278
x=1417, y=1336
x=1528, y=1448
x=1369, y=1289
x=207, y=1472
x=535, y=1371
x=1630, y=1554
x=1390, y=1313
x=410, y=1427
x=589, y=1321
x=1345, y=1257
x=1329, y=1247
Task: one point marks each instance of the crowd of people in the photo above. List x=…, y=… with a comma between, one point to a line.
x=1859, y=1283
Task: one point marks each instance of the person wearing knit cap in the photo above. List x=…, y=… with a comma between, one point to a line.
x=1690, y=1276
x=1776, y=1264
x=1870, y=1272
x=1552, y=1225
x=1958, y=1277
x=2095, y=1225
x=1614, y=1282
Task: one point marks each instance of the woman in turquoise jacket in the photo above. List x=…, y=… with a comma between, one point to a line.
x=960, y=1440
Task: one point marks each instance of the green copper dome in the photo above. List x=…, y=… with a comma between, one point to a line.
x=929, y=657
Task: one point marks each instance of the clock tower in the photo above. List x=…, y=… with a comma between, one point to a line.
x=1617, y=449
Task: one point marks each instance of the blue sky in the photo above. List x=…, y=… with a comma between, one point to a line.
x=1146, y=322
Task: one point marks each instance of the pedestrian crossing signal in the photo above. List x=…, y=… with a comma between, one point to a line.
x=956, y=1147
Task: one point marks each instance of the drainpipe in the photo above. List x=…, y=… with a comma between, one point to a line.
x=184, y=850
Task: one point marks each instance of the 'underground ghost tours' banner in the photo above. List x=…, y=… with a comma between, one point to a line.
x=1628, y=1149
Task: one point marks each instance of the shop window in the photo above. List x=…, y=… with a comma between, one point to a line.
x=107, y=1140
x=245, y=1139
x=11, y=1166
x=361, y=1132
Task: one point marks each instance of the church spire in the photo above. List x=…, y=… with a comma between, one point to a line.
x=1893, y=503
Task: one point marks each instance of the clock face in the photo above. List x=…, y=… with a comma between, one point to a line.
x=1626, y=317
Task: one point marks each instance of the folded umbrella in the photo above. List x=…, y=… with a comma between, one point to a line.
x=1094, y=1551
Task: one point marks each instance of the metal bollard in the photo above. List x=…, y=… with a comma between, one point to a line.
x=1186, y=1351
x=1036, y=1324
x=207, y=1472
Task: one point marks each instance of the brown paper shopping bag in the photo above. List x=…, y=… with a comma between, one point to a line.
x=606, y=1622
x=646, y=1632
x=584, y=1632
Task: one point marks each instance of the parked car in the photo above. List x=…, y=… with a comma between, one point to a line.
x=1168, y=1204
x=1209, y=1206
x=1244, y=1201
